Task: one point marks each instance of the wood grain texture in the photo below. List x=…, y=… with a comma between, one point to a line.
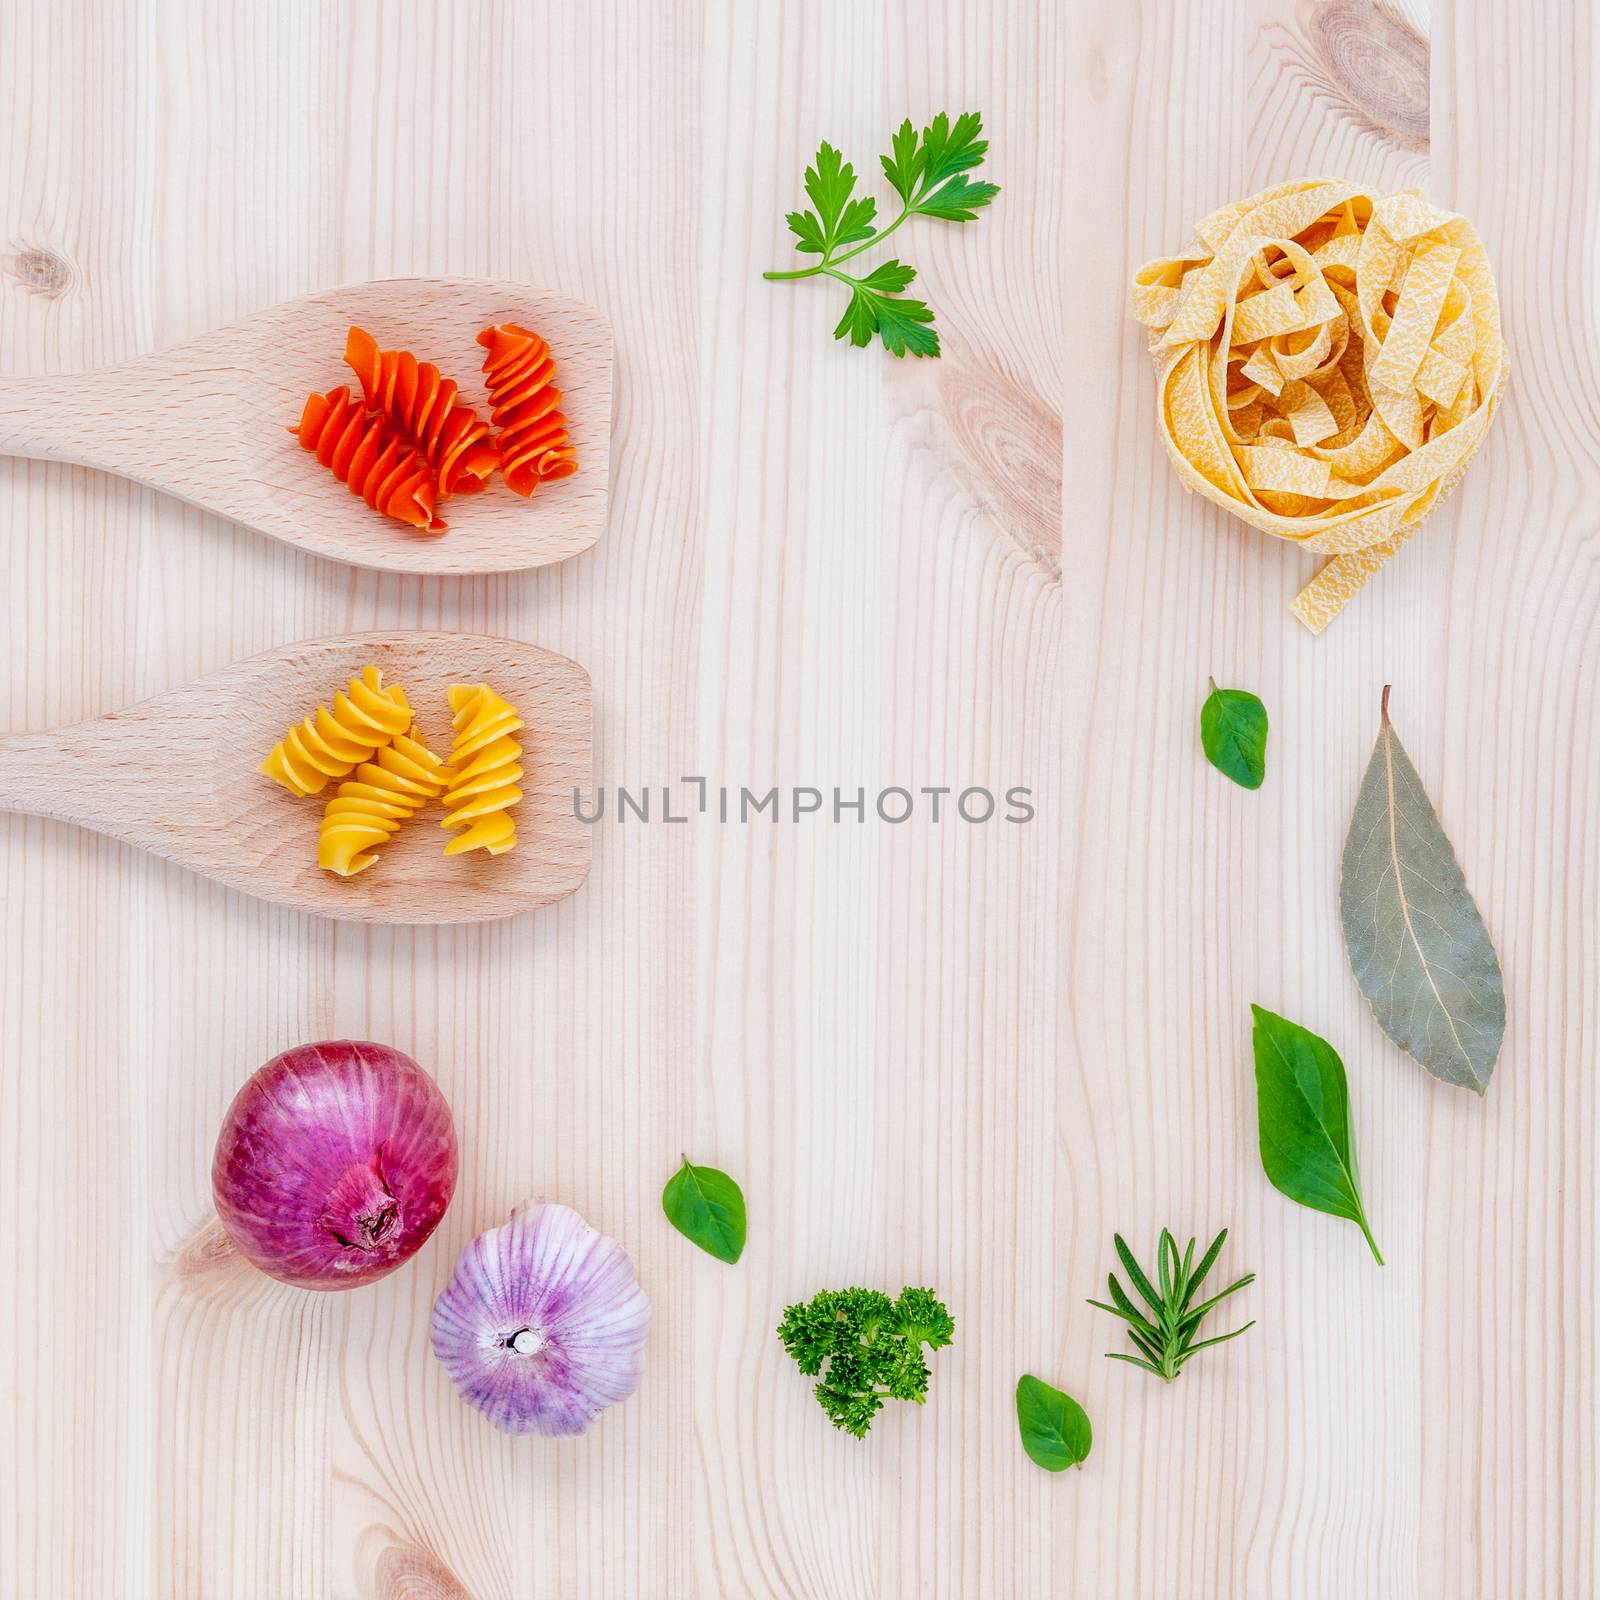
x=210, y=420
x=177, y=774
x=952, y=1054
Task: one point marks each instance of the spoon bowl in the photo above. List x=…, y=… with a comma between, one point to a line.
x=208, y=421
x=176, y=774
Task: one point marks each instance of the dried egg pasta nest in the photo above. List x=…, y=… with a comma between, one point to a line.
x=1329, y=359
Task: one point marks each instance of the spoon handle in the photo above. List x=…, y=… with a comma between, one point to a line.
x=50, y=418
x=115, y=774
x=135, y=420
x=39, y=772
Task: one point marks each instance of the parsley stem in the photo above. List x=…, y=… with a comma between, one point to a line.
x=826, y=265
x=876, y=239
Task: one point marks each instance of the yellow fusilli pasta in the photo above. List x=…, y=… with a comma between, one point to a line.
x=485, y=768
x=403, y=776
x=1329, y=359
x=329, y=744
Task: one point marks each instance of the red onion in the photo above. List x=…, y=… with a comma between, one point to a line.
x=334, y=1164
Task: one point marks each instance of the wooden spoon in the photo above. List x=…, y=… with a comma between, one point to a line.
x=176, y=774
x=208, y=420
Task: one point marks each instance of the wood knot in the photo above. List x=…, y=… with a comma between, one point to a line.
x=1010, y=452
x=408, y=1572
x=1378, y=62
x=40, y=271
x=207, y=1253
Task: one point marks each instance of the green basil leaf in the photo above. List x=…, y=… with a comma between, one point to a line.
x=1055, y=1428
x=1303, y=1115
x=1416, y=940
x=707, y=1207
x=1233, y=732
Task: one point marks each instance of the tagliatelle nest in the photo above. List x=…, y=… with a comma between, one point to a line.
x=1328, y=360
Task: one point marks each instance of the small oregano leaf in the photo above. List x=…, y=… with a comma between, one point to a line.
x=707, y=1207
x=1055, y=1428
x=1233, y=732
x=1303, y=1117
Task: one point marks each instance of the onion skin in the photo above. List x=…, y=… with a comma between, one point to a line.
x=334, y=1164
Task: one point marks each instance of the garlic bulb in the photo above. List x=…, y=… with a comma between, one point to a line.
x=542, y=1324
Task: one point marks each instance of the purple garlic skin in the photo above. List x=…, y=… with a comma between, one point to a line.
x=543, y=1323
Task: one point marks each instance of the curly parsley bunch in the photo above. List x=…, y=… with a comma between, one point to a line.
x=866, y=1348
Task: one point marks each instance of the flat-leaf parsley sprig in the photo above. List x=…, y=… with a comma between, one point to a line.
x=929, y=173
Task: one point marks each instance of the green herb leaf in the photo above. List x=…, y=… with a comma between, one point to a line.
x=707, y=1207
x=1416, y=939
x=1166, y=1338
x=829, y=184
x=1233, y=732
x=860, y=319
x=903, y=165
x=889, y=277
x=871, y=1347
x=807, y=229
x=901, y=324
x=1055, y=1428
x=958, y=201
x=929, y=173
x=1303, y=1114
x=906, y=325
x=947, y=154
x=947, y=150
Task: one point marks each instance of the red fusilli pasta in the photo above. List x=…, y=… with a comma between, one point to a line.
x=533, y=441
x=367, y=453
x=424, y=405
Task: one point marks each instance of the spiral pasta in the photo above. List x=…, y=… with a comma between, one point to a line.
x=369, y=455
x=533, y=441
x=386, y=791
x=329, y=744
x=424, y=405
x=1329, y=359
x=485, y=768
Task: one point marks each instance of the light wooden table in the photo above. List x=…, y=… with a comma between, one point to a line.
x=960, y=1055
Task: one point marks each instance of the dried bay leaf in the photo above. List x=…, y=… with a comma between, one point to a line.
x=1416, y=942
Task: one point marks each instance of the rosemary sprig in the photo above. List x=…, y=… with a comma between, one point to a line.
x=1166, y=1338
